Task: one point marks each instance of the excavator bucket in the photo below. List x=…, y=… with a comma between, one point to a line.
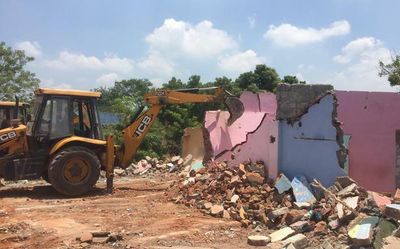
x=235, y=108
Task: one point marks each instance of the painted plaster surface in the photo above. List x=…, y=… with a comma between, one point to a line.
x=308, y=146
x=224, y=137
x=262, y=142
x=372, y=120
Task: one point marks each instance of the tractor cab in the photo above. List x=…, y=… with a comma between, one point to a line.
x=58, y=114
x=9, y=111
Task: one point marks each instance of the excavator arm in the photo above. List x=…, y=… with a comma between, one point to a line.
x=135, y=132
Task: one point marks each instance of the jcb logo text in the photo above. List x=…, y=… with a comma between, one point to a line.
x=8, y=136
x=142, y=126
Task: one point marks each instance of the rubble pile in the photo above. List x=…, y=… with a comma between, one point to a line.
x=150, y=165
x=294, y=213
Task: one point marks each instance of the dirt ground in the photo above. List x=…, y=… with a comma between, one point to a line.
x=33, y=215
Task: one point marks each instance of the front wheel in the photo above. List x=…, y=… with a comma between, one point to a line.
x=74, y=170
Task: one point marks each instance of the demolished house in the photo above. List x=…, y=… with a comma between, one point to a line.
x=313, y=131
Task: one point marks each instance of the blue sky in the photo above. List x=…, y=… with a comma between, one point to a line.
x=86, y=44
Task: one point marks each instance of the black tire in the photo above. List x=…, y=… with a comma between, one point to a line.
x=45, y=177
x=69, y=161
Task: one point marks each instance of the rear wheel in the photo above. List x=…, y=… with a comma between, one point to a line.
x=74, y=170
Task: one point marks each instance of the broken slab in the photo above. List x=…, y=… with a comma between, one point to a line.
x=258, y=240
x=298, y=241
x=361, y=233
x=274, y=214
x=348, y=190
x=86, y=237
x=281, y=234
x=379, y=200
x=294, y=215
x=301, y=190
x=344, y=181
x=301, y=205
x=301, y=226
x=282, y=184
x=392, y=211
x=352, y=201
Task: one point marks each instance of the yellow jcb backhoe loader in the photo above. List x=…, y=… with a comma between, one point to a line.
x=63, y=141
x=9, y=111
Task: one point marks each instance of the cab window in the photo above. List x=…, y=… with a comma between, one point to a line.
x=55, y=121
x=81, y=116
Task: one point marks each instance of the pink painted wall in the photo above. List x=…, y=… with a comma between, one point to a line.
x=224, y=137
x=372, y=120
x=259, y=136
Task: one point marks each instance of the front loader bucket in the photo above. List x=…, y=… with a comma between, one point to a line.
x=235, y=108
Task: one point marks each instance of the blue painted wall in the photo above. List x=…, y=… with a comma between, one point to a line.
x=308, y=147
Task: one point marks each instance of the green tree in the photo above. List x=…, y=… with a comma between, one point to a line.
x=391, y=70
x=262, y=78
x=194, y=82
x=14, y=78
x=266, y=78
x=291, y=79
x=245, y=80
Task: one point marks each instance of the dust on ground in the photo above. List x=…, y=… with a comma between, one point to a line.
x=36, y=216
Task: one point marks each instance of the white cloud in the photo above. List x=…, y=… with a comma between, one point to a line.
x=107, y=79
x=177, y=38
x=359, y=46
x=30, y=48
x=240, y=61
x=361, y=57
x=74, y=61
x=155, y=64
x=287, y=35
x=252, y=21
x=52, y=84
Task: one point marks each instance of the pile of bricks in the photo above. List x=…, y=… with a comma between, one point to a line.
x=294, y=214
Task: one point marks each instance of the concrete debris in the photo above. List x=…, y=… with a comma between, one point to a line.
x=258, y=240
x=274, y=214
x=148, y=166
x=98, y=237
x=361, y=233
x=298, y=241
x=283, y=208
x=301, y=190
x=378, y=200
x=281, y=234
x=392, y=211
x=282, y=184
x=86, y=237
x=294, y=100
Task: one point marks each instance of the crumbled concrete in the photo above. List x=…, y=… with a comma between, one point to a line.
x=294, y=100
x=281, y=234
x=258, y=240
x=361, y=233
x=392, y=211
